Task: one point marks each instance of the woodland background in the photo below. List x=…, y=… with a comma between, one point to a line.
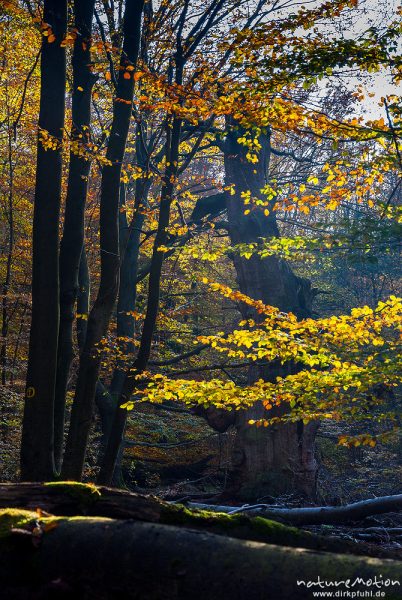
x=200, y=249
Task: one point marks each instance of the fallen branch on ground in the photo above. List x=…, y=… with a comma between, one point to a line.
x=315, y=515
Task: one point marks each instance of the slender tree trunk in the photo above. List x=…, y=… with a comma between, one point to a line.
x=129, y=248
x=73, y=229
x=276, y=459
x=102, y=397
x=173, y=132
x=130, y=235
x=140, y=363
x=100, y=314
x=37, y=458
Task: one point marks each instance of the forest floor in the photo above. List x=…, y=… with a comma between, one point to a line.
x=176, y=456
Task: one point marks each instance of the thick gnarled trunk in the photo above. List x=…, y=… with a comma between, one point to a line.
x=277, y=459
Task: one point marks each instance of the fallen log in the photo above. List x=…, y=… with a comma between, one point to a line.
x=314, y=515
x=79, y=499
x=87, y=557
x=70, y=498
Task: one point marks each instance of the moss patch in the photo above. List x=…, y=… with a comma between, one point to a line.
x=15, y=518
x=85, y=494
x=239, y=525
x=257, y=529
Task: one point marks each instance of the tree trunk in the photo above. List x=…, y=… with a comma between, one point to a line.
x=98, y=322
x=274, y=460
x=104, y=559
x=129, y=236
x=144, y=351
x=73, y=229
x=102, y=397
x=126, y=304
x=37, y=457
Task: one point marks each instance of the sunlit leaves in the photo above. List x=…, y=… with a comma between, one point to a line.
x=343, y=363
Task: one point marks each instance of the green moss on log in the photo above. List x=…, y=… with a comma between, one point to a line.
x=85, y=494
x=15, y=518
x=257, y=529
x=239, y=525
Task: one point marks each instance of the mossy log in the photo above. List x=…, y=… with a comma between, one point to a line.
x=75, y=499
x=72, y=499
x=93, y=557
x=315, y=515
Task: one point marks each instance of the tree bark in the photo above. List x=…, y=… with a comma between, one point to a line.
x=130, y=235
x=173, y=132
x=105, y=558
x=37, y=446
x=274, y=460
x=141, y=361
x=73, y=228
x=127, y=298
x=98, y=322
